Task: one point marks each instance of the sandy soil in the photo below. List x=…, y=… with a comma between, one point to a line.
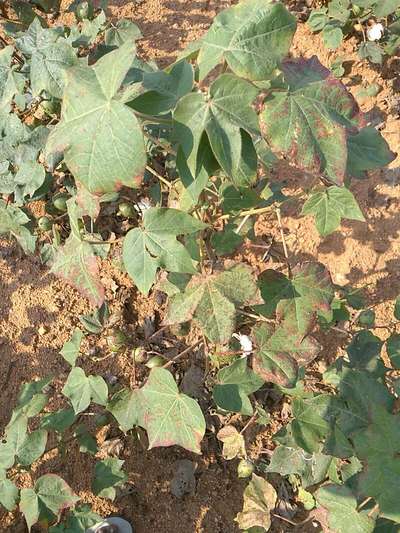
x=38, y=312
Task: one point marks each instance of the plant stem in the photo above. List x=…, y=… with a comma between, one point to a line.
x=249, y=423
x=249, y=212
x=255, y=317
x=285, y=250
x=363, y=503
x=242, y=223
x=159, y=143
x=295, y=524
x=153, y=120
x=157, y=175
x=181, y=354
x=105, y=242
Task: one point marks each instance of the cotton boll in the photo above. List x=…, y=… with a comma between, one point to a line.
x=245, y=343
x=375, y=32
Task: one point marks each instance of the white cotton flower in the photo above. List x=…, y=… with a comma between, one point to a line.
x=245, y=343
x=375, y=32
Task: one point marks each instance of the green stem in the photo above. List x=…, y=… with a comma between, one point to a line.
x=149, y=118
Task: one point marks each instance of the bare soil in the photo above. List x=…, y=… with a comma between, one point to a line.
x=38, y=312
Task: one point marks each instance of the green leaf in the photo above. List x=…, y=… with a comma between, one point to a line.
x=211, y=300
x=393, y=349
x=78, y=521
x=125, y=407
x=279, y=354
x=310, y=423
x=330, y=206
x=90, y=29
x=162, y=90
x=365, y=353
x=13, y=221
x=378, y=446
x=29, y=178
x=50, y=55
x=76, y=262
x=252, y=37
x=169, y=416
x=101, y=138
x=367, y=150
x=311, y=291
x=226, y=241
x=235, y=383
x=372, y=51
x=318, y=19
x=383, y=8
x=20, y=445
x=259, y=499
x=46, y=500
x=332, y=35
x=221, y=116
x=32, y=399
x=124, y=30
x=338, y=509
x=144, y=250
x=59, y=420
x=70, y=350
x=274, y=287
x=312, y=468
x=108, y=474
x=82, y=389
x=9, y=494
x=352, y=386
x=11, y=81
x=94, y=322
x=397, y=308
x=87, y=443
x=32, y=447
x=308, y=123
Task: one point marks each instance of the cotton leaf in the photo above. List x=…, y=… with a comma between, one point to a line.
x=169, y=416
x=233, y=442
x=77, y=263
x=308, y=123
x=253, y=37
x=234, y=384
x=125, y=407
x=9, y=494
x=70, y=350
x=329, y=207
x=45, y=501
x=280, y=353
x=13, y=221
x=338, y=509
x=211, y=301
x=155, y=245
x=82, y=389
x=259, y=499
x=378, y=446
x=223, y=116
x=108, y=474
x=367, y=150
x=310, y=290
x=11, y=82
x=50, y=56
x=100, y=137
